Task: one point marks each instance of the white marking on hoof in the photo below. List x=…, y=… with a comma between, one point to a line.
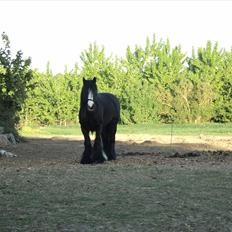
x=104, y=156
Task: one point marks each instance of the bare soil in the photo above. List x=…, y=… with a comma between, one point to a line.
x=133, y=149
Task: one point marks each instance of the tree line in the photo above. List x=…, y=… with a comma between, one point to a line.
x=154, y=83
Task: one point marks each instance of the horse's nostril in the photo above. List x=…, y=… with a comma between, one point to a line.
x=91, y=108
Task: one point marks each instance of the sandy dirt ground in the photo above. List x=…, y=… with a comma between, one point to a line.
x=131, y=150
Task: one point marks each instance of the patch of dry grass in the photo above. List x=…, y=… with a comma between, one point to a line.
x=109, y=197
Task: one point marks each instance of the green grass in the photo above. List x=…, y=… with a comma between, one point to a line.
x=51, y=131
x=152, y=129
x=104, y=198
x=177, y=129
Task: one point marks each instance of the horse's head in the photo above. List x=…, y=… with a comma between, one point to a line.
x=89, y=93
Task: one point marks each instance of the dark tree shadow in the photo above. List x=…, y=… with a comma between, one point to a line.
x=66, y=150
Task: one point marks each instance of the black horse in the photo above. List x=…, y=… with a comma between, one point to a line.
x=99, y=112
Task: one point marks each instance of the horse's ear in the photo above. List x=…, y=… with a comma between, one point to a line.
x=94, y=79
x=84, y=80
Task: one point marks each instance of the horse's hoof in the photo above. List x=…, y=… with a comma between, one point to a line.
x=86, y=161
x=100, y=161
x=111, y=157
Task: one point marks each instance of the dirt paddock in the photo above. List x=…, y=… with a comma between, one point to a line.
x=133, y=149
x=154, y=185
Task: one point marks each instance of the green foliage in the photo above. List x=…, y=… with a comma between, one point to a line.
x=2, y=70
x=54, y=99
x=223, y=105
x=205, y=73
x=156, y=83
x=15, y=75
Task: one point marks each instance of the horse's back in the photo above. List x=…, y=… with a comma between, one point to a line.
x=111, y=104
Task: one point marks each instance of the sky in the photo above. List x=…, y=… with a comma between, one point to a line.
x=58, y=31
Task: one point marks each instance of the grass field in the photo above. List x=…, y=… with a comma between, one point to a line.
x=109, y=198
x=151, y=129
x=45, y=188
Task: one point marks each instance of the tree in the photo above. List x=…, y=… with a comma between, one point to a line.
x=206, y=71
x=15, y=74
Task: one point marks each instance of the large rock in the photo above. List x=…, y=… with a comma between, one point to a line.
x=7, y=139
x=6, y=153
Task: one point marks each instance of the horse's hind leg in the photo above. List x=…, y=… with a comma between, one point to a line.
x=111, y=132
x=99, y=155
x=105, y=141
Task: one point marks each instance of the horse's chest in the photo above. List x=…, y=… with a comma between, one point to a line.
x=90, y=120
x=91, y=124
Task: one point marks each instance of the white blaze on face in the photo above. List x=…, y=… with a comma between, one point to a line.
x=90, y=99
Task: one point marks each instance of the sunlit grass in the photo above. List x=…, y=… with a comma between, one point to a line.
x=50, y=131
x=151, y=129
x=178, y=129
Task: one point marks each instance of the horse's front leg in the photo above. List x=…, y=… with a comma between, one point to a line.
x=87, y=154
x=99, y=155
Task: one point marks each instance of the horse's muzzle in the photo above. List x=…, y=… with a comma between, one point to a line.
x=91, y=108
x=90, y=105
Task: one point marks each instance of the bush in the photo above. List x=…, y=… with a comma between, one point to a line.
x=15, y=74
